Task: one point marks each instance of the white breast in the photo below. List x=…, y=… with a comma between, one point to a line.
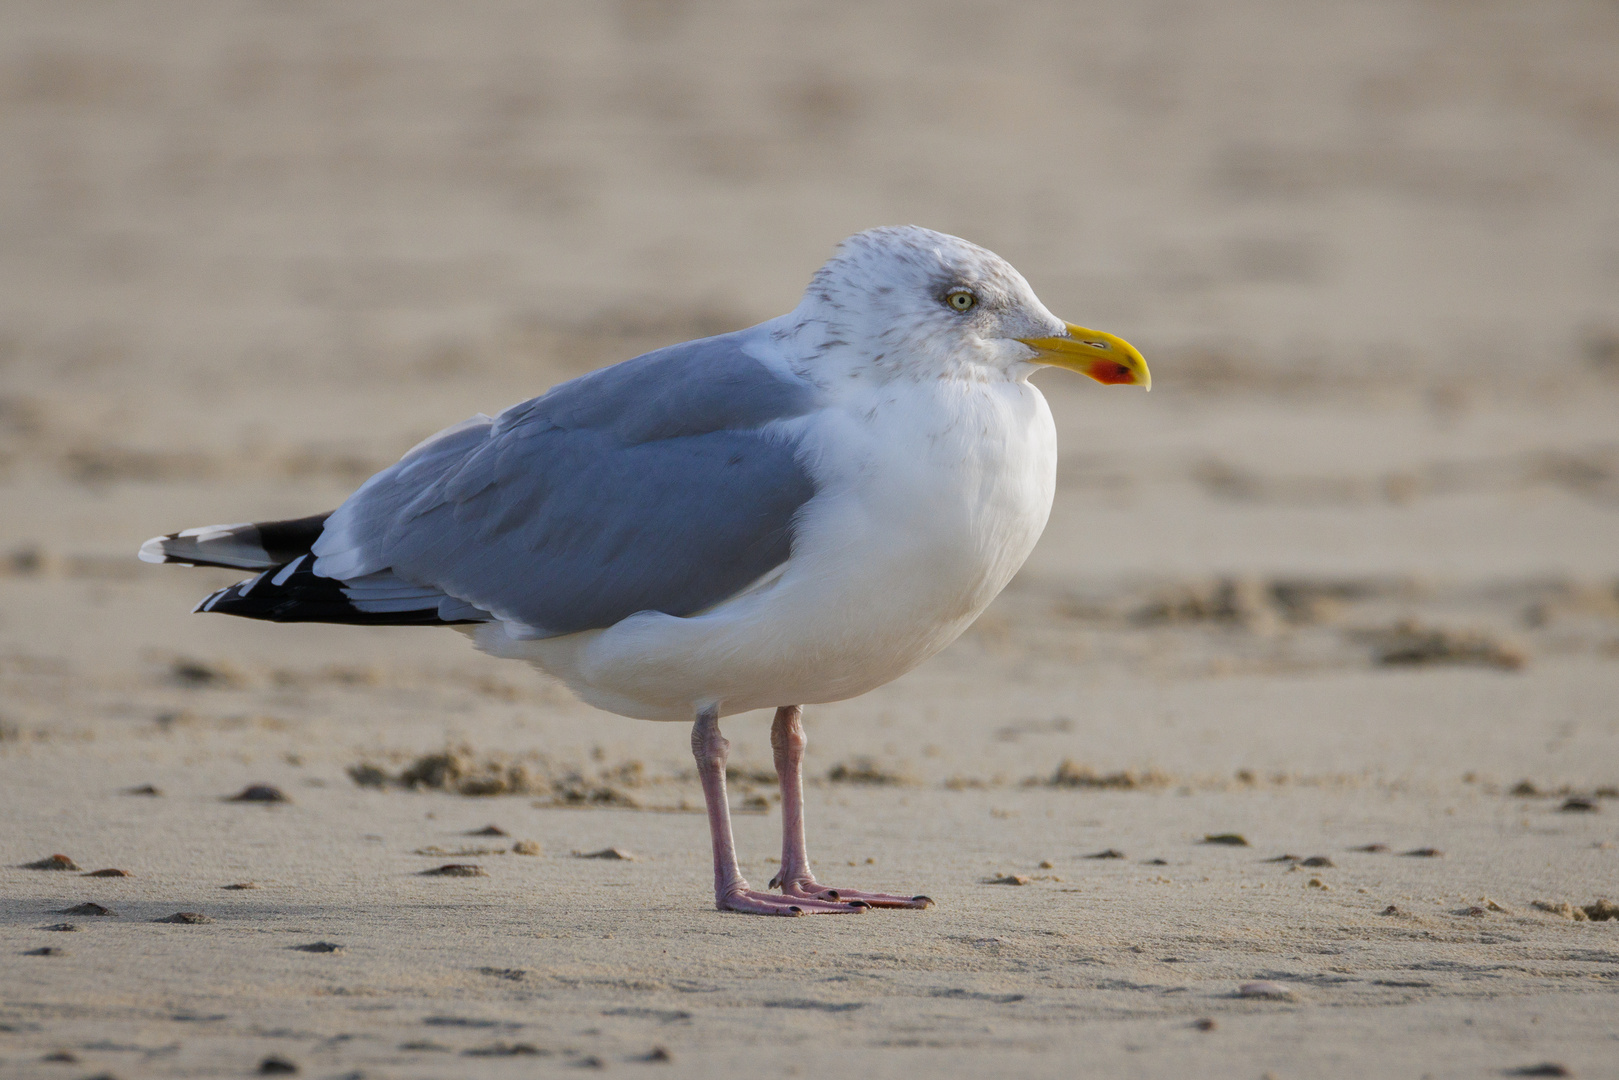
x=931, y=496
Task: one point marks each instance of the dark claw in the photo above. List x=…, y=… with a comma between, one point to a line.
x=858, y=903
x=774, y=882
x=831, y=894
x=928, y=899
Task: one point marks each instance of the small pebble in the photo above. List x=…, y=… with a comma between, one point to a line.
x=1107, y=853
x=61, y=927
x=1317, y=860
x=1270, y=991
x=1156, y=862
x=264, y=793
x=488, y=830
x=240, y=885
x=277, y=1066
x=52, y=862
x=195, y=673
x=189, y=918
x=1205, y=1024
x=527, y=847
x=368, y=776
x=606, y=853
x=1545, y=1068
x=88, y=909
x=1392, y=910
x=66, y=1057
x=143, y=789
x=1373, y=848
x=319, y=947
x=109, y=872
x=456, y=870
x=46, y=950
x=1423, y=853
x=1047, y=864
x=658, y=1054
x=1229, y=839
x=1007, y=879
x=1579, y=806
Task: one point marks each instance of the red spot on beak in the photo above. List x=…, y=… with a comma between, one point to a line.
x=1111, y=373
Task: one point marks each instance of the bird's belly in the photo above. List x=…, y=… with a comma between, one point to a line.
x=885, y=572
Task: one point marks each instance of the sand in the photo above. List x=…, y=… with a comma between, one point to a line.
x=1346, y=580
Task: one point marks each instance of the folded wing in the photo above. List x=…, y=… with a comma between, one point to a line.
x=665, y=483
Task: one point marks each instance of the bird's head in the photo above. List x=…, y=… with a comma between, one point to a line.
x=915, y=302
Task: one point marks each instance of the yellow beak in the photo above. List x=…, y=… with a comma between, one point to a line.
x=1103, y=357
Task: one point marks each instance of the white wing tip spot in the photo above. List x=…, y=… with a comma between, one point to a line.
x=152, y=551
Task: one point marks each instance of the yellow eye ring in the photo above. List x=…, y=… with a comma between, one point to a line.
x=961, y=300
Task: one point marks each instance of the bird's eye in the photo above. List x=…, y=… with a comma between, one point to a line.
x=961, y=300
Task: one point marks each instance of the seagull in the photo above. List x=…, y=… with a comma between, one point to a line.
x=791, y=514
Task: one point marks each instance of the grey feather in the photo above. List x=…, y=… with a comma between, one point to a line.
x=651, y=485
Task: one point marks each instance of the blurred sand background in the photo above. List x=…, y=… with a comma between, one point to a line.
x=1349, y=575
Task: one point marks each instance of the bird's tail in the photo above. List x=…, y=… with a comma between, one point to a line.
x=254, y=546
x=286, y=587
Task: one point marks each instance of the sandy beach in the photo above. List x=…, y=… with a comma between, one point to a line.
x=1293, y=751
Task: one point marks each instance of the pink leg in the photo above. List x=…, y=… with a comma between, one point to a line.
x=731, y=892
x=788, y=740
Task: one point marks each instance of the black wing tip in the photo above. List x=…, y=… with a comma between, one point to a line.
x=294, y=593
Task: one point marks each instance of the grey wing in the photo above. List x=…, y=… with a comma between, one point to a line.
x=653, y=485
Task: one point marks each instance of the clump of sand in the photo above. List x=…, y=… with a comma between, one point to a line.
x=1408, y=643
x=466, y=772
x=1599, y=911
x=1072, y=775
